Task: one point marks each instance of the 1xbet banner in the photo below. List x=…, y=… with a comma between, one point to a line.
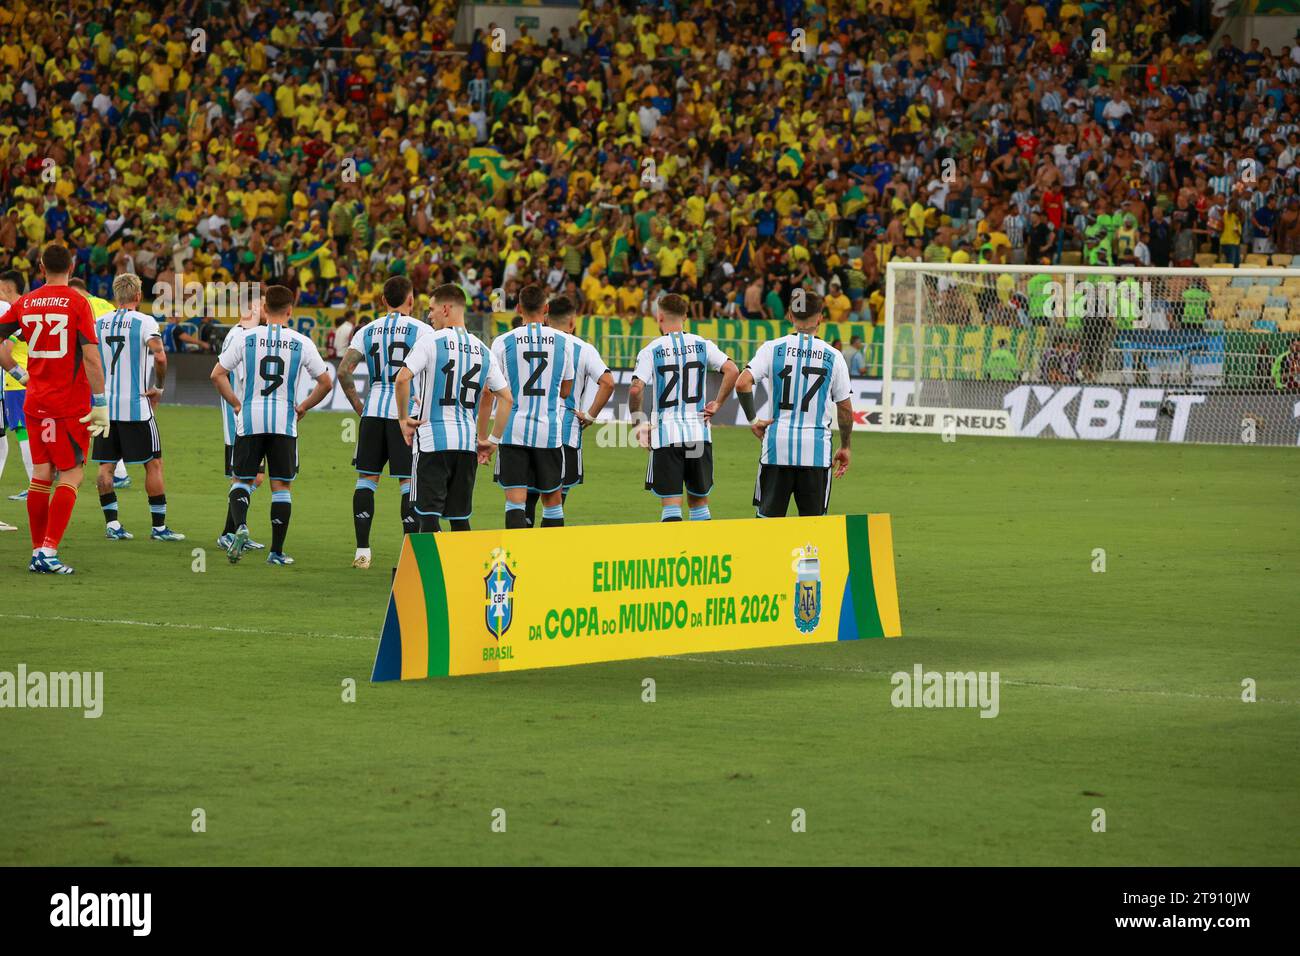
x=478, y=602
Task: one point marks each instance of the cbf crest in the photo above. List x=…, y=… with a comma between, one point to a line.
x=499, y=611
x=807, y=589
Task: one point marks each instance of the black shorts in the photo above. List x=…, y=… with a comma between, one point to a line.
x=131, y=442
x=444, y=484
x=675, y=468
x=572, y=467
x=280, y=452
x=811, y=488
x=379, y=443
x=537, y=469
x=230, y=467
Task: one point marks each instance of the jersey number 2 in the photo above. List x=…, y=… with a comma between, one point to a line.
x=530, y=386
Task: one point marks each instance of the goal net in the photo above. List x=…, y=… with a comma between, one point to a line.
x=1136, y=354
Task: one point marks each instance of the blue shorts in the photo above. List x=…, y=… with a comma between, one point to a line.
x=14, y=417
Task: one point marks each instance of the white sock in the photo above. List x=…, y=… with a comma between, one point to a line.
x=120, y=470
x=4, y=454
x=25, y=449
x=363, y=552
x=114, y=525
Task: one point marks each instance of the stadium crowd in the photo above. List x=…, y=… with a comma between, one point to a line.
x=728, y=151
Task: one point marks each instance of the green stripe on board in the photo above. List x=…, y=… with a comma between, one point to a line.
x=861, y=584
x=425, y=547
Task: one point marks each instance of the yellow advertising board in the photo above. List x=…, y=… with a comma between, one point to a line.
x=480, y=602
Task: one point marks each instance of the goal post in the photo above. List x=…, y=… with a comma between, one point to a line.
x=1092, y=352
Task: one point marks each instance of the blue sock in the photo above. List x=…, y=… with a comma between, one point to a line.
x=700, y=513
x=671, y=513
x=553, y=517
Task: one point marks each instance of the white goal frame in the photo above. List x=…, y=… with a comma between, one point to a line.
x=906, y=305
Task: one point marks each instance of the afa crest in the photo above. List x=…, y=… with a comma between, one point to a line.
x=807, y=589
x=499, y=582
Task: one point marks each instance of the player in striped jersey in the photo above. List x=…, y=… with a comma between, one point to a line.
x=273, y=357
x=99, y=308
x=129, y=343
x=384, y=345
x=451, y=369
x=589, y=370
x=675, y=367
x=229, y=432
x=808, y=384
x=539, y=370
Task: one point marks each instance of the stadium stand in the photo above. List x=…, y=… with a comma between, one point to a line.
x=732, y=152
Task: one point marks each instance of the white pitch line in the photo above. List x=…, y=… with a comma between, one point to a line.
x=222, y=629
x=171, y=625
x=1001, y=680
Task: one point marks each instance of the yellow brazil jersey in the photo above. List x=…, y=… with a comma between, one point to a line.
x=20, y=356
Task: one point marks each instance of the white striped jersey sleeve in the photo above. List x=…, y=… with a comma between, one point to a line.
x=124, y=351
x=805, y=378
x=535, y=363
x=588, y=367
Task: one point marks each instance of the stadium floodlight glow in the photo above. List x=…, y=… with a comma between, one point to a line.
x=1093, y=352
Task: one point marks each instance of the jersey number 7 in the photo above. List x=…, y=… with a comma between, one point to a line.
x=117, y=343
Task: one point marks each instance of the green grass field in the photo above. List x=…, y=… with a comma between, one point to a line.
x=1119, y=690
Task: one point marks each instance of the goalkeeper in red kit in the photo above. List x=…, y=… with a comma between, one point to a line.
x=65, y=403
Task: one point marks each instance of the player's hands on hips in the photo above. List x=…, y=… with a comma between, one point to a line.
x=300, y=410
x=96, y=420
x=584, y=420
x=409, y=427
x=710, y=410
x=841, y=460
x=155, y=396
x=759, y=427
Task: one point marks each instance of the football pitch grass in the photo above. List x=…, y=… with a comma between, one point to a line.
x=1120, y=690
